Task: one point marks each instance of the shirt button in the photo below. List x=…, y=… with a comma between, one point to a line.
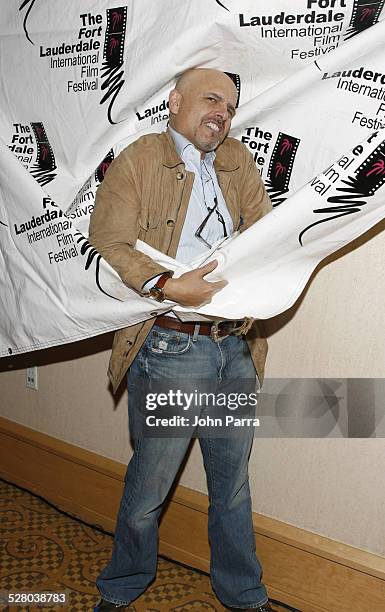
x=170, y=222
x=179, y=176
x=154, y=314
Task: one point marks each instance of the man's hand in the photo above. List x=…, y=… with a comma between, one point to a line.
x=190, y=289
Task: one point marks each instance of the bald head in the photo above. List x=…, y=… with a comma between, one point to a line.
x=202, y=105
x=194, y=75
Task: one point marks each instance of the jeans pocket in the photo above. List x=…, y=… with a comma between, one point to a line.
x=168, y=342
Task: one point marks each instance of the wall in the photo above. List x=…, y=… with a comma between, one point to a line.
x=330, y=486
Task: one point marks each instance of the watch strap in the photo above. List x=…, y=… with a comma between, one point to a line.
x=156, y=291
x=160, y=283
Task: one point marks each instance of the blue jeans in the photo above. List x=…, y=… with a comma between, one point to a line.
x=234, y=568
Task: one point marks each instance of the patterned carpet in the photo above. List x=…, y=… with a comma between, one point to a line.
x=43, y=549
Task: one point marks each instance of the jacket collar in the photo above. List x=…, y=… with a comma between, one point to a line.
x=223, y=160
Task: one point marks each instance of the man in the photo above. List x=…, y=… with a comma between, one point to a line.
x=181, y=191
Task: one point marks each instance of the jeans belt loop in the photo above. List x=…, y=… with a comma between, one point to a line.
x=196, y=332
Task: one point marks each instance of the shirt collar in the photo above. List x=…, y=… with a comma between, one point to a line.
x=183, y=147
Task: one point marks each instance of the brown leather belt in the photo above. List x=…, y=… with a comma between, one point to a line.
x=216, y=329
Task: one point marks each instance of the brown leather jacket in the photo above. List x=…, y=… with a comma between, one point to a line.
x=145, y=195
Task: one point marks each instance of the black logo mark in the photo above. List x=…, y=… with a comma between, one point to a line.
x=281, y=167
x=103, y=166
x=237, y=82
x=365, y=14
x=113, y=54
x=29, y=9
x=370, y=176
x=45, y=163
x=222, y=5
x=86, y=249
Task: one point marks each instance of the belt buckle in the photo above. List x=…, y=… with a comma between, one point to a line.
x=214, y=332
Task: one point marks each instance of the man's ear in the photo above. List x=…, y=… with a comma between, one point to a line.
x=174, y=101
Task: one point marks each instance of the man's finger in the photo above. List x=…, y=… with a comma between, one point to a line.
x=218, y=285
x=209, y=267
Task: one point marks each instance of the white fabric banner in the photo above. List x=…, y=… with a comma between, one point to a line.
x=80, y=84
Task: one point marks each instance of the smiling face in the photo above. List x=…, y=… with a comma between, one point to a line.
x=202, y=106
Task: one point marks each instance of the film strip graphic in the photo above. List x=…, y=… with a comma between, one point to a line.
x=281, y=167
x=97, y=176
x=369, y=177
x=113, y=51
x=365, y=14
x=103, y=166
x=45, y=163
x=237, y=82
x=113, y=56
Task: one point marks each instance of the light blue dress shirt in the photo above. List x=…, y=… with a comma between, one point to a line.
x=205, y=188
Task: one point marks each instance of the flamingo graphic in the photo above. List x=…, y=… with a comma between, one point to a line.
x=285, y=146
x=114, y=43
x=116, y=19
x=44, y=152
x=104, y=167
x=366, y=13
x=280, y=169
x=377, y=168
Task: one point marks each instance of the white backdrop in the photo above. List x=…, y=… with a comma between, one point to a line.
x=80, y=84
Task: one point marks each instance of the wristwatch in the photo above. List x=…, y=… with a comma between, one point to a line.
x=156, y=292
